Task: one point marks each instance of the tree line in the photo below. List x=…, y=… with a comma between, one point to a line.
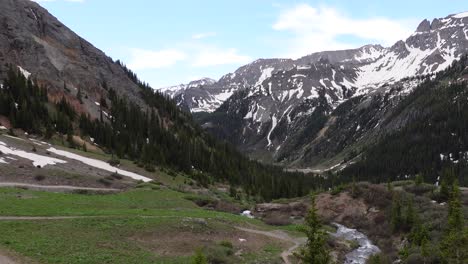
x=156, y=135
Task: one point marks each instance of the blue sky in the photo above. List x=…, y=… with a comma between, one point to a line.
x=172, y=42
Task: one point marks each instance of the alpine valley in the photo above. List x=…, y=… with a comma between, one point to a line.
x=355, y=156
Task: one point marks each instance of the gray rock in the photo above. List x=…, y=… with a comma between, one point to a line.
x=424, y=26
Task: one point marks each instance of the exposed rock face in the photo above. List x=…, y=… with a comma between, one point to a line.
x=286, y=111
x=36, y=41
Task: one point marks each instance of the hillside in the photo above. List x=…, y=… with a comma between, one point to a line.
x=89, y=99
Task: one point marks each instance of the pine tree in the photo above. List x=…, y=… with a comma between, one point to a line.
x=455, y=215
x=419, y=180
x=397, y=217
x=410, y=215
x=455, y=242
x=315, y=250
x=444, y=190
x=389, y=186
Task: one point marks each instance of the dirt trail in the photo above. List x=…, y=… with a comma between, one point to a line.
x=5, y=258
x=55, y=188
x=278, y=234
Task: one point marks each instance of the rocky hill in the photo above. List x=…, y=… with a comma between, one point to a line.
x=54, y=56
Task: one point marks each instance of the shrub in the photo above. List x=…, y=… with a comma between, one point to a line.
x=378, y=259
x=415, y=258
x=114, y=162
x=219, y=254
x=105, y=182
x=354, y=244
x=201, y=201
x=116, y=175
x=150, y=168
x=199, y=258
x=39, y=177
x=226, y=243
x=338, y=189
x=419, y=189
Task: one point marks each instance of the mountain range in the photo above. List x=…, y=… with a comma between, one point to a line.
x=284, y=111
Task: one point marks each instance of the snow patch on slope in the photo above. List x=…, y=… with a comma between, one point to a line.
x=38, y=160
x=24, y=72
x=461, y=15
x=266, y=73
x=98, y=164
x=273, y=126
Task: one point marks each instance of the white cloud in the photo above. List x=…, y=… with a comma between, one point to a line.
x=44, y=1
x=142, y=59
x=215, y=57
x=319, y=29
x=204, y=35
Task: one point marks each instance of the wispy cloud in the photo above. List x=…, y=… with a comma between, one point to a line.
x=216, y=56
x=204, y=35
x=325, y=28
x=142, y=59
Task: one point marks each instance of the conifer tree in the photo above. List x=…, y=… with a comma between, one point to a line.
x=315, y=249
x=455, y=242
x=397, y=217
x=419, y=180
x=410, y=214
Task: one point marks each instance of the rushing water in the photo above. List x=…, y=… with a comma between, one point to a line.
x=365, y=249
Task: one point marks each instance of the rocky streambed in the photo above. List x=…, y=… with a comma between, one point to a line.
x=365, y=249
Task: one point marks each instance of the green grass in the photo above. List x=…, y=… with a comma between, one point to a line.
x=269, y=254
x=85, y=240
x=20, y=202
x=108, y=236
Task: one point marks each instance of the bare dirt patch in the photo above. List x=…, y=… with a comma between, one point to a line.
x=8, y=257
x=193, y=234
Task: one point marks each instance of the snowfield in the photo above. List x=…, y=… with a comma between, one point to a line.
x=38, y=160
x=98, y=164
x=42, y=161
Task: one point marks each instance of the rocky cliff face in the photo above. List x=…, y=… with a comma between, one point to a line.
x=287, y=112
x=55, y=56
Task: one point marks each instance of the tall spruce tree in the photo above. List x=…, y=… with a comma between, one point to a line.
x=455, y=242
x=315, y=250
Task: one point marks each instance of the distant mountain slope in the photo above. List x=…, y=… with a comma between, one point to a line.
x=425, y=133
x=30, y=37
x=431, y=48
x=290, y=116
